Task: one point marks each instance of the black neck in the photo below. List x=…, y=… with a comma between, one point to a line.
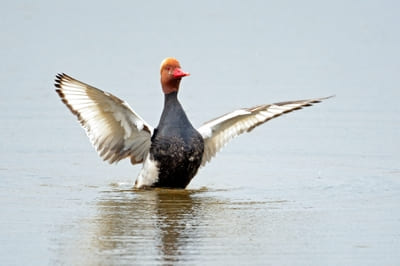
x=170, y=98
x=173, y=113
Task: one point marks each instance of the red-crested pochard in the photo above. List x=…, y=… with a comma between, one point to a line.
x=172, y=152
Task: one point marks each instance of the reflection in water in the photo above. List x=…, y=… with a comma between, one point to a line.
x=172, y=227
x=178, y=227
x=175, y=212
x=147, y=224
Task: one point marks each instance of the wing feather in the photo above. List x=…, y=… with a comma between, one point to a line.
x=114, y=129
x=219, y=131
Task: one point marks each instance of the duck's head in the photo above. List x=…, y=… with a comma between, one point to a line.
x=171, y=75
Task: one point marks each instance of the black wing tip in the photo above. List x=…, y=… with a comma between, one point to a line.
x=59, y=90
x=61, y=76
x=307, y=102
x=59, y=79
x=58, y=84
x=318, y=100
x=328, y=97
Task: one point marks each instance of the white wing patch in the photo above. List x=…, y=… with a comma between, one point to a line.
x=148, y=175
x=218, y=132
x=113, y=128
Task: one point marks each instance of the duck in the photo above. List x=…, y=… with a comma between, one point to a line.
x=172, y=153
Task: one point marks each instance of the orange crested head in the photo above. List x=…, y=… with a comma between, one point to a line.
x=171, y=74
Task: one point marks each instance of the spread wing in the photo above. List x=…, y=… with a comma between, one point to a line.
x=113, y=128
x=218, y=132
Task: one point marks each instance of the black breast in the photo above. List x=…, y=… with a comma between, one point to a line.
x=176, y=146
